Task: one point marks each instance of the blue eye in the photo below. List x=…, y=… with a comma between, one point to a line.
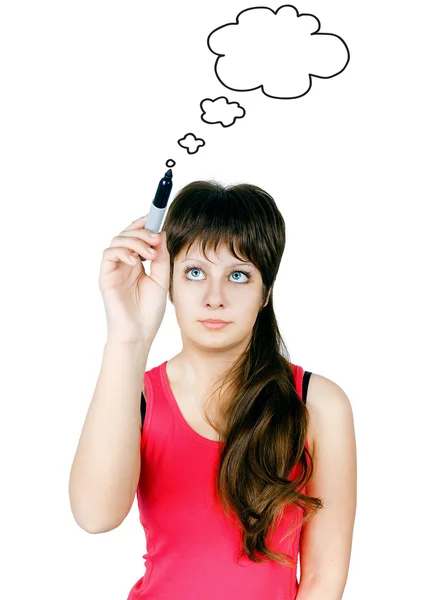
x=188, y=269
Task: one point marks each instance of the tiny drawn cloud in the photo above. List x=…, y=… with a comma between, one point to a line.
x=221, y=111
x=276, y=51
x=191, y=143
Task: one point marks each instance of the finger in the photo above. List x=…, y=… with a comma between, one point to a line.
x=134, y=244
x=115, y=255
x=137, y=224
x=143, y=234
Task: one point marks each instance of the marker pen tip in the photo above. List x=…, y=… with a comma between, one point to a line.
x=168, y=173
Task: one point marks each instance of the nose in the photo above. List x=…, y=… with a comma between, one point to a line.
x=214, y=298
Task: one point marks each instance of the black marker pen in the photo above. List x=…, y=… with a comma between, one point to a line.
x=159, y=204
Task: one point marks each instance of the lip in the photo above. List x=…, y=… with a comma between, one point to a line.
x=216, y=321
x=215, y=324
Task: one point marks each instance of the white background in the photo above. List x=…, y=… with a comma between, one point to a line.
x=94, y=96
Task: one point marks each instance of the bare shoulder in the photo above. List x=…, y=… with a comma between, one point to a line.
x=329, y=407
x=320, y=387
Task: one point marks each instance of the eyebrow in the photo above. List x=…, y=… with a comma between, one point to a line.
x=203, y=262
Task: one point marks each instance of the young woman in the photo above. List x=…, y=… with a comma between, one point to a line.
x=239, y=465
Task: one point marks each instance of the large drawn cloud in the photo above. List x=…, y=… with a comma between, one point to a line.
x=276, y=51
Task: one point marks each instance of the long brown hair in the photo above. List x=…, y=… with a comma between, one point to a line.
x=264, y=422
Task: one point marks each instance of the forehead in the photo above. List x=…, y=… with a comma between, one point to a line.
x=222, y=254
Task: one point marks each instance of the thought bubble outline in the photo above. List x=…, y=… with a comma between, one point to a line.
x=217, y=122
x=261, y=86
x=196, y=138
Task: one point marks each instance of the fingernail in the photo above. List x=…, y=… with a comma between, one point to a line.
x=154, y=234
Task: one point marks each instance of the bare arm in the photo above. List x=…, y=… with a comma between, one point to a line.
x=326, y=537
x=106, y=467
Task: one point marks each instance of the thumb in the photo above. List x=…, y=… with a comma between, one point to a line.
x=161, y=247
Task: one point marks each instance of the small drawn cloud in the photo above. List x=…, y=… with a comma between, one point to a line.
x=276, y=51
x=191, y=143
x=221, y=111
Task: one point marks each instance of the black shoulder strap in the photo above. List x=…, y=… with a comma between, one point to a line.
x=143, y=408
x=306, y=377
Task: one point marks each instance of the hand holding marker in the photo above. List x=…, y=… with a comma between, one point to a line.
x=135, y=302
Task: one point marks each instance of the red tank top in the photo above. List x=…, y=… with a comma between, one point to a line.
x=192, y=549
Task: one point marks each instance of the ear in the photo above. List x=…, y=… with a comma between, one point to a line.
x=268, y=297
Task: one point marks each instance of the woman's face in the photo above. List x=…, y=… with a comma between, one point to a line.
x=218, y=288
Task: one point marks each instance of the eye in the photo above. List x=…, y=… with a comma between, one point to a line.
x=194, y=268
